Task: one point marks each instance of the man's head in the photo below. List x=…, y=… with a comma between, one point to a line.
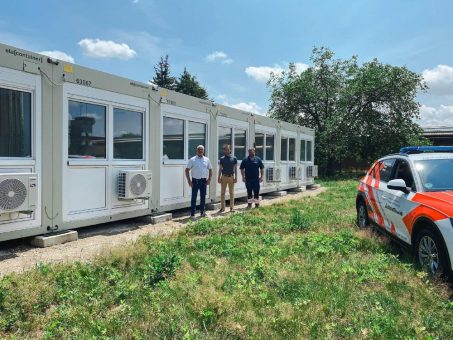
x=251, y=152
x=227, y=149
x=200, y=150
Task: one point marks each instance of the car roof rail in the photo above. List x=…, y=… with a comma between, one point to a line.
x=408, y=150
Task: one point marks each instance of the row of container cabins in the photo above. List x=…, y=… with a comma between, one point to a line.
x=80, y=147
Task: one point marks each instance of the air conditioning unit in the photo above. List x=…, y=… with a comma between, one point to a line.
x=312, y=171
x=134, y=184
x=18, y=193
x=273, y=174
x=300, y=172
x=292, y=172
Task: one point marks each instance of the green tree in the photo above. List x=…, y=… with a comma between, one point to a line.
x=162, y=77
x=357, y=111
x=189, y=84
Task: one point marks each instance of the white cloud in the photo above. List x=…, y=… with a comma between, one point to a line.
x=219, y=56
x=249, y=107
x=106, y=49
x=58, y=55
x=436, y=116
x=439, y=80
x=263, y=73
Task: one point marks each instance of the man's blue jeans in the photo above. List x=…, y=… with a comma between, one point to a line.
x=198, y=184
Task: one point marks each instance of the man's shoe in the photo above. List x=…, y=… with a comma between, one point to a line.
x=249, y=206
x=221, y=210
x=231, y=210
x=203, y=214
x=193, y=218
x=257, y=205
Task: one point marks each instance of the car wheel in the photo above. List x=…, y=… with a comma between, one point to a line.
x=362, y=215
x=430, y=252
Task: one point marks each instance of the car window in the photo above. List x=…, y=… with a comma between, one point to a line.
x=386, y=167
x=403, y=171
x=435, y=174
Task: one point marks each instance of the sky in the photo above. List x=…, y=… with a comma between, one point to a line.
x=231, y=46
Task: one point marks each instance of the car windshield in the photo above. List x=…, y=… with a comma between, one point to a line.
x=435, y=174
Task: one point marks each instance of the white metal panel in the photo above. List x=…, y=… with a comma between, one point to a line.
x=21, y=81
x=286, y=133
x=172, y=181
x=87, y=189
x=265, y=129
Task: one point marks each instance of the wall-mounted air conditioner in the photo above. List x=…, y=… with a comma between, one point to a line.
x=134, y=184
x=300, y=172
x=312, y=171
x=273, y=174
x=18, y=193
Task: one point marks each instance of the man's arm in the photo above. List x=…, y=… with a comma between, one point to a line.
x=188, y=177
x=209, y=176
x=243, y=175
x=262, y=174
x=235, y=172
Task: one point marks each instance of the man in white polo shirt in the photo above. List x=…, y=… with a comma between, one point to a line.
x=200, y=168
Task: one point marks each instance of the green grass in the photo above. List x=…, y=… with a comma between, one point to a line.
x=294, y=270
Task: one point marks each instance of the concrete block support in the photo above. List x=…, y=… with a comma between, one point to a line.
x=161, y=218
x=244, y=199
x=44, y=241
x=298, y=189
x=213, y=206
x=313, y=186
x=278, y=193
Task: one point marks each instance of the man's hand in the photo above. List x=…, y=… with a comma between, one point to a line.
x=208, y=181
x=235, y=180
x=190, y=183
x=261, y=179
x=219, y=180
x=243, y=179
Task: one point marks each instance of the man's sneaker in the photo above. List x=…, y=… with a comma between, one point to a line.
x=257, y=205
x=221, y=210
x=249, y=206
x=203, y=214
x=193, y=218
x=231, y=210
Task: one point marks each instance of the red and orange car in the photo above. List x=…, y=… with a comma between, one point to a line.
x=410, y=196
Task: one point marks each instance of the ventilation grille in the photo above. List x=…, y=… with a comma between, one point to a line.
x=122, y=184
x=292, y=172
x=134, y=184
x=12, y=194
x=312, y=171
x=270, y=174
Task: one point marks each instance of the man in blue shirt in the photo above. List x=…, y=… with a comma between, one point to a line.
x=201, y=169
x=252, y=170
x=228, y=174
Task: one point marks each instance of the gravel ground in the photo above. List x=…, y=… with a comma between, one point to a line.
x=18, y=256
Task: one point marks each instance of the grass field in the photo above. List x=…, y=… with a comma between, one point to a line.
x=294, y=270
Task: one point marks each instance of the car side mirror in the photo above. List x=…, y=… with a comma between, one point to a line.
x=398, y=184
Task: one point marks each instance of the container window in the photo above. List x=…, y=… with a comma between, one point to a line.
x=15, y=123
x=269, y=147
x=240, y=141
x=259, y=145
x=292, y=149
x=127, y=134
x=173, y=138
x=197, y=136
x=302, y=150
x=87, y=126
x=309, y=151
x=225, y=138
x=284, y=149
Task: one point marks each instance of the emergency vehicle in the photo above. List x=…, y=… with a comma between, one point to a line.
x=410, y=196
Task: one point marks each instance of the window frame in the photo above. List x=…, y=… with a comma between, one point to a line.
x=395, y=168
x=186, y=145
x=265, y=135
x=233, y=128
x=304, y=148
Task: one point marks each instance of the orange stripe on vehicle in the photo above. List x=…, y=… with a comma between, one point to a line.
x=421, y=211
x=375, y=206
x=393, y=229
x=440, y=202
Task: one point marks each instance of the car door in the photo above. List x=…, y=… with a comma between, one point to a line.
x=397, y=204
x=375, y=184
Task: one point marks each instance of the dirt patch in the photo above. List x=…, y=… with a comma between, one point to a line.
x=18, y=256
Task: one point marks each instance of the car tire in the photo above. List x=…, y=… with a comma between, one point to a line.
x=430, y=253
x=362, y=214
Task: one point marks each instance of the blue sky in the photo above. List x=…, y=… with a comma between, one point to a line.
x=231, y=45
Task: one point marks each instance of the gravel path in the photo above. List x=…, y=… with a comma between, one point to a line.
x=18, y=256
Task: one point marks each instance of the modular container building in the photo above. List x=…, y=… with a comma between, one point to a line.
x=80, y=147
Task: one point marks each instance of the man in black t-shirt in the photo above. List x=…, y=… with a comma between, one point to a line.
x=228, y=174
x=252, y=170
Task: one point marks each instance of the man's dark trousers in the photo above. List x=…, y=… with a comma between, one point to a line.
x=198, y=184
x=253, y=185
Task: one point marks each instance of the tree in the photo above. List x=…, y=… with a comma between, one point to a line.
x=163, y=77
x=189, y=84
x=357, y=111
